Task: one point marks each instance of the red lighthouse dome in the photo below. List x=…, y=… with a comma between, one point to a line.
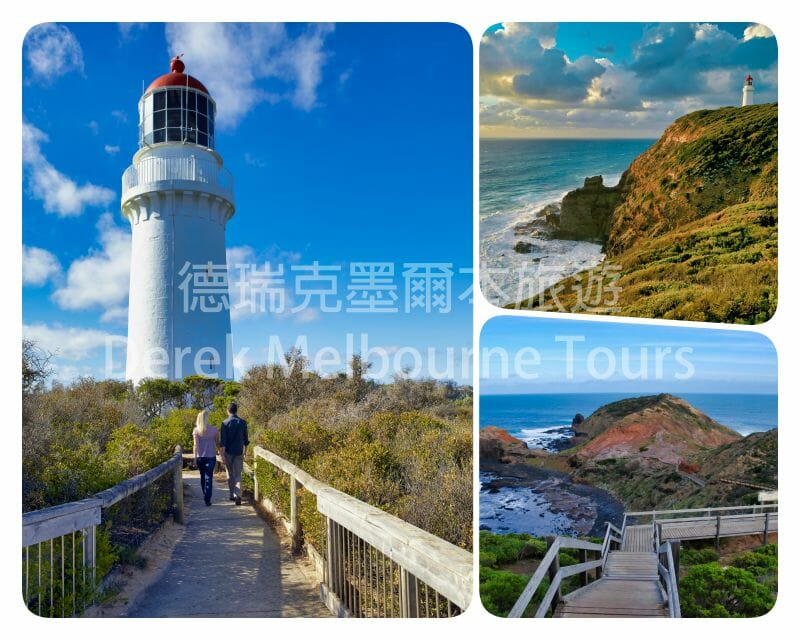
x=176, y=108
x=177, y=78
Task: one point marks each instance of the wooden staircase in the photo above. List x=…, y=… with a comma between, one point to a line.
x=634, y=572
x=629, y=588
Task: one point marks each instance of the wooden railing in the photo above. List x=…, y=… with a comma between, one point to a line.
x=613, y=536
x=371, y=563
x=59, y=543
x=550, y=567
x=675, y=515
x=667, y=572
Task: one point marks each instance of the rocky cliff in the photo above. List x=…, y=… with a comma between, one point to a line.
x=705, y=162
x=694, y=233
x=586, y=213
x=661, y=427
x=497, y=445
x=728, y=475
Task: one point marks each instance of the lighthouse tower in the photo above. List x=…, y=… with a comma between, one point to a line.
x=178, y=198
x=748, y=91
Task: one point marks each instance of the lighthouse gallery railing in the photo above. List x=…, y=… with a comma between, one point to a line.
x=191, y=168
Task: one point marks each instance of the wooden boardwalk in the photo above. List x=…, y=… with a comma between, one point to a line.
x=229, y=563
x=638, y=539
x=705, y=528
x=629, y=588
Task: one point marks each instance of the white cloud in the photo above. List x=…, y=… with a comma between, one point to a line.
x=61, y=195
x=38, y=266
x=250, y=288
x=100, y=279
x=111, y=149
x=118, y=315
x=309, y=314
x=94, y=127
x=69, y=343
x=52, y=51
x=129, y=30
x=757, y=31
x=232, y=60
x=253, y=160
x=120, y=116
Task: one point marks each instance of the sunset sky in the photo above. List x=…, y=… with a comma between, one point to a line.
x=616, y=80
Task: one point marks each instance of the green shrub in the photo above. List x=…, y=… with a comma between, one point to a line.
x=500, y=590
x=712, y=591
x=691, y=557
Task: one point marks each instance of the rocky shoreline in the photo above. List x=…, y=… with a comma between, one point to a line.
x=536, y=499
x=583, y=508
x=583, y=214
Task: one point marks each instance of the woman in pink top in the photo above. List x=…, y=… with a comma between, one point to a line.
x=206, y=441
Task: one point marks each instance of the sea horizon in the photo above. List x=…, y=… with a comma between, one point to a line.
x=544, y=419
x=518, y=178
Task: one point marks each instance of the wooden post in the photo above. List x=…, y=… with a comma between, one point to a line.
x=255, y=478
x=584, y=574
x=294, y=522
x=409, y=602
x=551, y=572
x=598, y=572
x=766, y=527
x=332, y=557
x=177, y=486
x=676, y=557
x=716, y=537
x=89, y=554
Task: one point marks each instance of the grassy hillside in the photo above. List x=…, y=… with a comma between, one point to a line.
x=695, y=236
x=644, y=483
x=662, y=427
x=654, y=452
x=705, y=162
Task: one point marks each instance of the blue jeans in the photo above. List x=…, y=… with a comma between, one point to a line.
x=206, y=467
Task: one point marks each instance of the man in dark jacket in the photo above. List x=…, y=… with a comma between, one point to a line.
x=233, y=442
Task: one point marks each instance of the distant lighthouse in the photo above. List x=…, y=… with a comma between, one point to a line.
x=178, y=198
x=748, y=91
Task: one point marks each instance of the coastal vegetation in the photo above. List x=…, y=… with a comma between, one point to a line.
x=736, y=584
x=692, y=232
x=507, y=562
x=403, y=446
x=654, y=452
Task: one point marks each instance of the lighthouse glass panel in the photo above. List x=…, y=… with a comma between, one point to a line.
x=176, y=115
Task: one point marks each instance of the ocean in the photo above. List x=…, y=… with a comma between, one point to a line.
x=555, y=505
x=517, y=179
x=544, y=420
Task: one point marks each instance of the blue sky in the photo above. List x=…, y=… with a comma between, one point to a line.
x=613, y=80
x=607, y=359
x=346, y=144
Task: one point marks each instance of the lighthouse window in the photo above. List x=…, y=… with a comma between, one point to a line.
x=159, y=101
x=177, y=115
x=174, y=98
x=159, y=120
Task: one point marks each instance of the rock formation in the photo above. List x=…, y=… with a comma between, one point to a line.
x=586, y=213
x=661, y=427
x=498, y=445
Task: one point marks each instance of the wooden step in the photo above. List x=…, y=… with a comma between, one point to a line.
x=615, y=597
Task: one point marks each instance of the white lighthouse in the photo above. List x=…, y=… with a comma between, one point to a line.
x=748, y=92
x=178, y=198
